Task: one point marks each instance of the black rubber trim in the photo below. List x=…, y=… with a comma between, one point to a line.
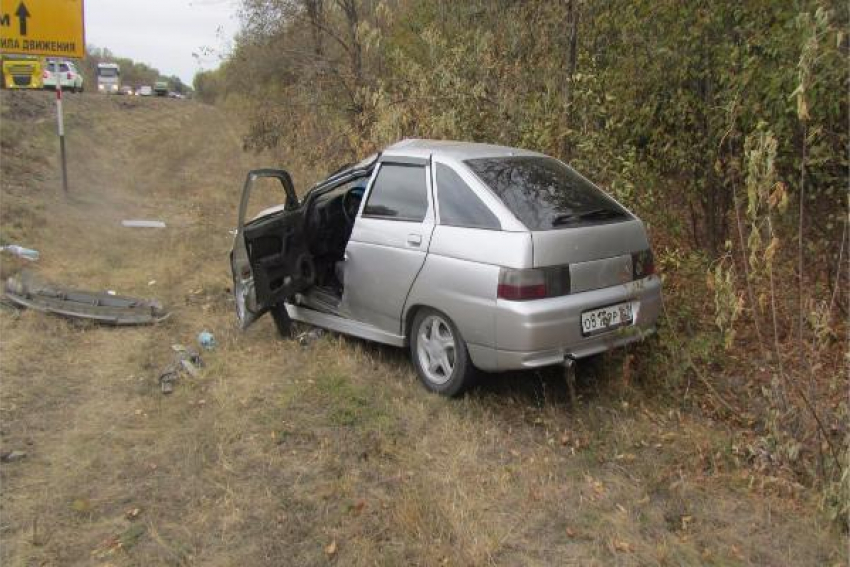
x=403, y=160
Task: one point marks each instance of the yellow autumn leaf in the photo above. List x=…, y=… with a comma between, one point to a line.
x=330, y=549
x=770, y=251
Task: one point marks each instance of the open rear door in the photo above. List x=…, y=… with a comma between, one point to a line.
x=270, y=259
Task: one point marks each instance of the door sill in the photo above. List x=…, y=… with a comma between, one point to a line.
x=343, y=325
x=320, y=299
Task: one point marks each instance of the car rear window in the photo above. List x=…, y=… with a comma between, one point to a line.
x=459, y=205
x=399, y=193
x=545, y=194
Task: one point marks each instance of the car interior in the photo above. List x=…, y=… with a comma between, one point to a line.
x=329, y=222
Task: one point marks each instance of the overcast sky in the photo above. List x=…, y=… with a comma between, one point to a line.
x=163, y=33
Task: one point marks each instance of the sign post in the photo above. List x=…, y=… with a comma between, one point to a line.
x=51, y=28
x=60, y=125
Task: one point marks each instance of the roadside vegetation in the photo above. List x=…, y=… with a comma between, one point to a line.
x=724, y=127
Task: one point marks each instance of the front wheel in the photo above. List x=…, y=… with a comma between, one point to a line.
x=439, y=354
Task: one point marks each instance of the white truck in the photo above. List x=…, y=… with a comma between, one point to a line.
x=108, y=78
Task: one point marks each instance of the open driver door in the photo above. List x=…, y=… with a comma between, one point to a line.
x=270, y=260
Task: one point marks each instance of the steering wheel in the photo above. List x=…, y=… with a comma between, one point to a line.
x=351, y=203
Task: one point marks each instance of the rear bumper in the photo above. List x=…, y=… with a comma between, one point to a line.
x=531, y=334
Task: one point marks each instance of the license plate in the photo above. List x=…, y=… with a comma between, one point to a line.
x=608, y=318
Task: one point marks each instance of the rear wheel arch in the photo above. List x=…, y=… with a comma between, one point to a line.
x=409, y=317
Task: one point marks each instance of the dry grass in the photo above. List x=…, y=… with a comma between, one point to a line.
x=282, y=455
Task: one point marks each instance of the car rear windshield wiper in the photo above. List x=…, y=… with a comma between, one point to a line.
x=586, y=215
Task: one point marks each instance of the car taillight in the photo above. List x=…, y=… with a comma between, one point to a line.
x=70, y=75
x=643, y=264
x=45, y=74
x=537, y=283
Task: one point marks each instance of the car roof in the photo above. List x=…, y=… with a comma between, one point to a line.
x=422, y=148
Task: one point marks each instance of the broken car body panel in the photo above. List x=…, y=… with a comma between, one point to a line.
x=28, y=290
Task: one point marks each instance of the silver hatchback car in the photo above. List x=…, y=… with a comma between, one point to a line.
x=474, y=256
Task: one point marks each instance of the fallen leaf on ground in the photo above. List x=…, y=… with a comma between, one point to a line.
x=107, y=547
x=623, y=546
x=358, y=507
x=330, y=549
x=598, y=487
x=133, y=513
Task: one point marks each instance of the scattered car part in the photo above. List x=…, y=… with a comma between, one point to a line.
x=308, y=337
x=21, y=252
x=186, y=360
x=142, y=224
x=12, y=456
x=189, y=359
x=30, y=291
x=167, y=378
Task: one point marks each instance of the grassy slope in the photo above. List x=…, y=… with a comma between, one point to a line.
x=284, y=455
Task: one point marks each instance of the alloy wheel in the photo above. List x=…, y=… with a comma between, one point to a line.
x=436, y=349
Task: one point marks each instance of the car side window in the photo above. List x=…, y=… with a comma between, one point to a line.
x=459, y=205
x=399, y=193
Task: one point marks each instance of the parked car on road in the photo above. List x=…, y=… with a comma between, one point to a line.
x=145, y=90
x=473, y=256
x=126, y=90
x=69, y=77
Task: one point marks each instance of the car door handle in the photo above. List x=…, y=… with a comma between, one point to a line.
x=414, y=239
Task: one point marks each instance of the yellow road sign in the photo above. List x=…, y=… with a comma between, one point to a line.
x=42, y=27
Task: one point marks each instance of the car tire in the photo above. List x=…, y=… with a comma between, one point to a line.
x=439, y=354
x=282, y=321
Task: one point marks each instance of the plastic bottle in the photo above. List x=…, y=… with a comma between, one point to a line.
x=21, y=252
x=206, y=340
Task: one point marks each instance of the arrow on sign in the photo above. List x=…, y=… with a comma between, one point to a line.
x=22, y=14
